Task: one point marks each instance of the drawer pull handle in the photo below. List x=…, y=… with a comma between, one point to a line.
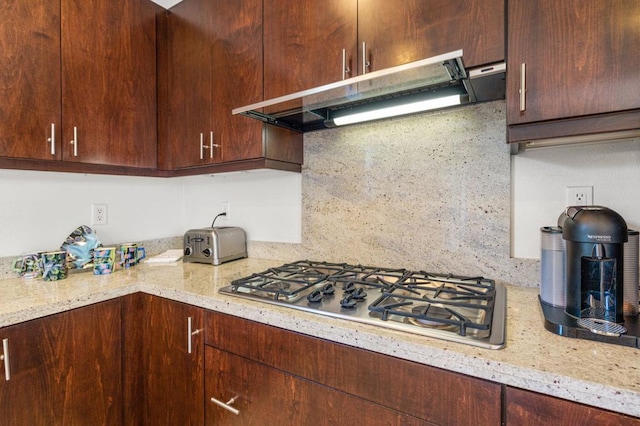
x=227, y=406
x=5, y=357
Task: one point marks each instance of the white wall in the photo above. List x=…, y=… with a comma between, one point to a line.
x=265, y=203
x=39, y=209
x=540, y=178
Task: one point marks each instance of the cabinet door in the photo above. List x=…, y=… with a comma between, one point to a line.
x=264, y=395
x=169, y=360
x=580, y=57
x=237, y=78
x=524, y=408
x=188, y=80
x=396, y=32
x=30, y=79
x=303, y=43
x=65, y=369
x=109, y=82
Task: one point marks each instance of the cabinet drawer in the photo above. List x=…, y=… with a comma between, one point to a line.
x=425, y=392
x=264, y=395
x=525, y=408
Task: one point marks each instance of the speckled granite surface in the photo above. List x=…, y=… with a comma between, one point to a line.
x=597, y=374
x=430, y=192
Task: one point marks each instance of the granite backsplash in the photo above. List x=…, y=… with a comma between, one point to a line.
x=429, y=192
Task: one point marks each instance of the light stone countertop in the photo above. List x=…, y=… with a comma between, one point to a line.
x=598, y=374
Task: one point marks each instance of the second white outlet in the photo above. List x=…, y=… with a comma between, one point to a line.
x=579, y=195
x=226, y=208
x=98, y=214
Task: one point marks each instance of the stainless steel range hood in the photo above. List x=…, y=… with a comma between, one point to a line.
x=424, y=84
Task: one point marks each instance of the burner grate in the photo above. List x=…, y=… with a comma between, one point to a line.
x=469, y=301
x=451, y=307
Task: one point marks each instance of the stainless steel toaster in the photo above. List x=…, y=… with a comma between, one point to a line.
x=215, y=245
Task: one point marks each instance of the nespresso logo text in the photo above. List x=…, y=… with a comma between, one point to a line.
x=599, y=237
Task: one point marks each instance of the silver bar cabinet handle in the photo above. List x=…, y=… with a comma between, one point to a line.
x=190, y=333
x=365, y=62
x=74, y=142
x=52, y=139
x=209, y=147
x=5, y=358
x=523, y=86
x=227, y=406
x=345, y=68
x=211, y=144
x=201, y=146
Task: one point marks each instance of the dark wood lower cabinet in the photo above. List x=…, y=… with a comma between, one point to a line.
x=266, y=396
x=144, y=360
x=65, y=369
x=415, y=390
x=524, y=408
x=164, y=358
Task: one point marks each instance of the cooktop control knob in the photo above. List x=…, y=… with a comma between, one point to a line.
x=359, y=294
x=348, y=302
x=328, y=289
x=188, y=251
x=315, y=296
x=207, y=252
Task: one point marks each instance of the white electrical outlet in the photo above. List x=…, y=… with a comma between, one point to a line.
x=226, y=208
x=579, y=195
x=98, y=214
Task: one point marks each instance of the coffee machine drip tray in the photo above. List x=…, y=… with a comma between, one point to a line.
x=557, y=321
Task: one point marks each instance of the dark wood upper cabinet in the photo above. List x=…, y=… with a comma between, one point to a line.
x=109, y=82
x=214, y=64
x=304, y=41
x=30, y=117
x=580, y=59
x=78, y=70
x=236, y=66
x=400, y=31
x=65, y=369
x=187, y=77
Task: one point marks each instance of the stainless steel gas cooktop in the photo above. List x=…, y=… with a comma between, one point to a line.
x=469, y=310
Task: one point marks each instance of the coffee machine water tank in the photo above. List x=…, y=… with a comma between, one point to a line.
x=595, y=238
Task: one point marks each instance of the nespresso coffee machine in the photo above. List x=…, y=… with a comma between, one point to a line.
x=594, y=238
